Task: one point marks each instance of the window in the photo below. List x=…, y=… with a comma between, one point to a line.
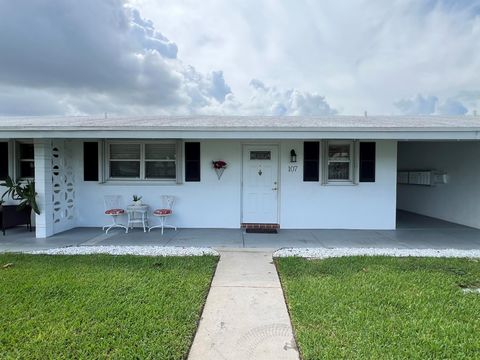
x=160, y=161
x=125, y=161
x=26, y=161
x=142, y=161
x=339, y=161
x=260, y=155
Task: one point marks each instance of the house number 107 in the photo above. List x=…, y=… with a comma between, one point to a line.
x=292, y=168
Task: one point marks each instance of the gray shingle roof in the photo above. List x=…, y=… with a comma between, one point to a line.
x=246, y=123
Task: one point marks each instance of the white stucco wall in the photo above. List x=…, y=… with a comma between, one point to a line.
x=360, y=206
x=217, y=203
x=457, y=201
x=209, y=203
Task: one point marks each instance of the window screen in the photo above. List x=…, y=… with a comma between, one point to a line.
x=125, y=161
x=125, y=151
x=160, y=151
x=339, y=161
x=160, y=161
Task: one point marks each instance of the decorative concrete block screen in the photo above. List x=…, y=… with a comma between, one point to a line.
x=63, y=189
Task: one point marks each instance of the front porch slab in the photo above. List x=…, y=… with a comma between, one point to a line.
x=413, y=232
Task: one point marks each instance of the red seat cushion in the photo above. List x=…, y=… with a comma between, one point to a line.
x=114, y=211
x=162, y=212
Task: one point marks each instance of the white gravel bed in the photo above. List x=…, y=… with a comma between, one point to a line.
x=471, y=291
x=322, y=253
x=129, y=250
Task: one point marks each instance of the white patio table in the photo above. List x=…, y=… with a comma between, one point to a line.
x=137, y=214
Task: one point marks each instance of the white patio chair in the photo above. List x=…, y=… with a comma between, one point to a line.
x=114, y=208
x=167, y=202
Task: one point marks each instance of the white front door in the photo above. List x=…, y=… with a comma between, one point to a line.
x=260, y=184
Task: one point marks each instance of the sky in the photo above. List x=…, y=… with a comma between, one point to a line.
x=239, y=57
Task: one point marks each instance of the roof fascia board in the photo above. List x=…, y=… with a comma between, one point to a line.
x=460, y=134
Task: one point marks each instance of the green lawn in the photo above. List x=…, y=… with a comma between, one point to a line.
x=101, y=306
x=383, y=307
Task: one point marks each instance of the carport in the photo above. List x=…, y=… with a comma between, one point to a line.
x=439, y=180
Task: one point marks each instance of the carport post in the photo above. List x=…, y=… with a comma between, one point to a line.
x=44, y=187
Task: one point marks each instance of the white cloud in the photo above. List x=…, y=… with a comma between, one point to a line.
x=362, y=55
x=272, y=101
x=418, y=105
x=143, y=31
x=88, y=47
x=430, y=105
x=76, y=57
x=30, y=101
x=451, y=107
x=267, y=100
x=94, y=56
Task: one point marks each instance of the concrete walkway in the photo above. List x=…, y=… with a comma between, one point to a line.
x=245, y=316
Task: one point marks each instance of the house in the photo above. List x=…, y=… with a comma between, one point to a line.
x=338, y=172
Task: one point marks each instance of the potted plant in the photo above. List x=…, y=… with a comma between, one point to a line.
x=24, y=192
x=219, y=166
x=137, y=200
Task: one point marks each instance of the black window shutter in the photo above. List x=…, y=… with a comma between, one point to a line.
x=311, y=160
x=192, y=161
x=3, y=160
x=367, y=162
x=90, y=161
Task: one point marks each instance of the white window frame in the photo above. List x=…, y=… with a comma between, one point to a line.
x=142, y=161
x=352, y=163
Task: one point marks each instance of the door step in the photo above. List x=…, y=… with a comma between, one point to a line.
x=252, y=228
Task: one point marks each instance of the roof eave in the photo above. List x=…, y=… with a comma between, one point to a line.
x=243, y=129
